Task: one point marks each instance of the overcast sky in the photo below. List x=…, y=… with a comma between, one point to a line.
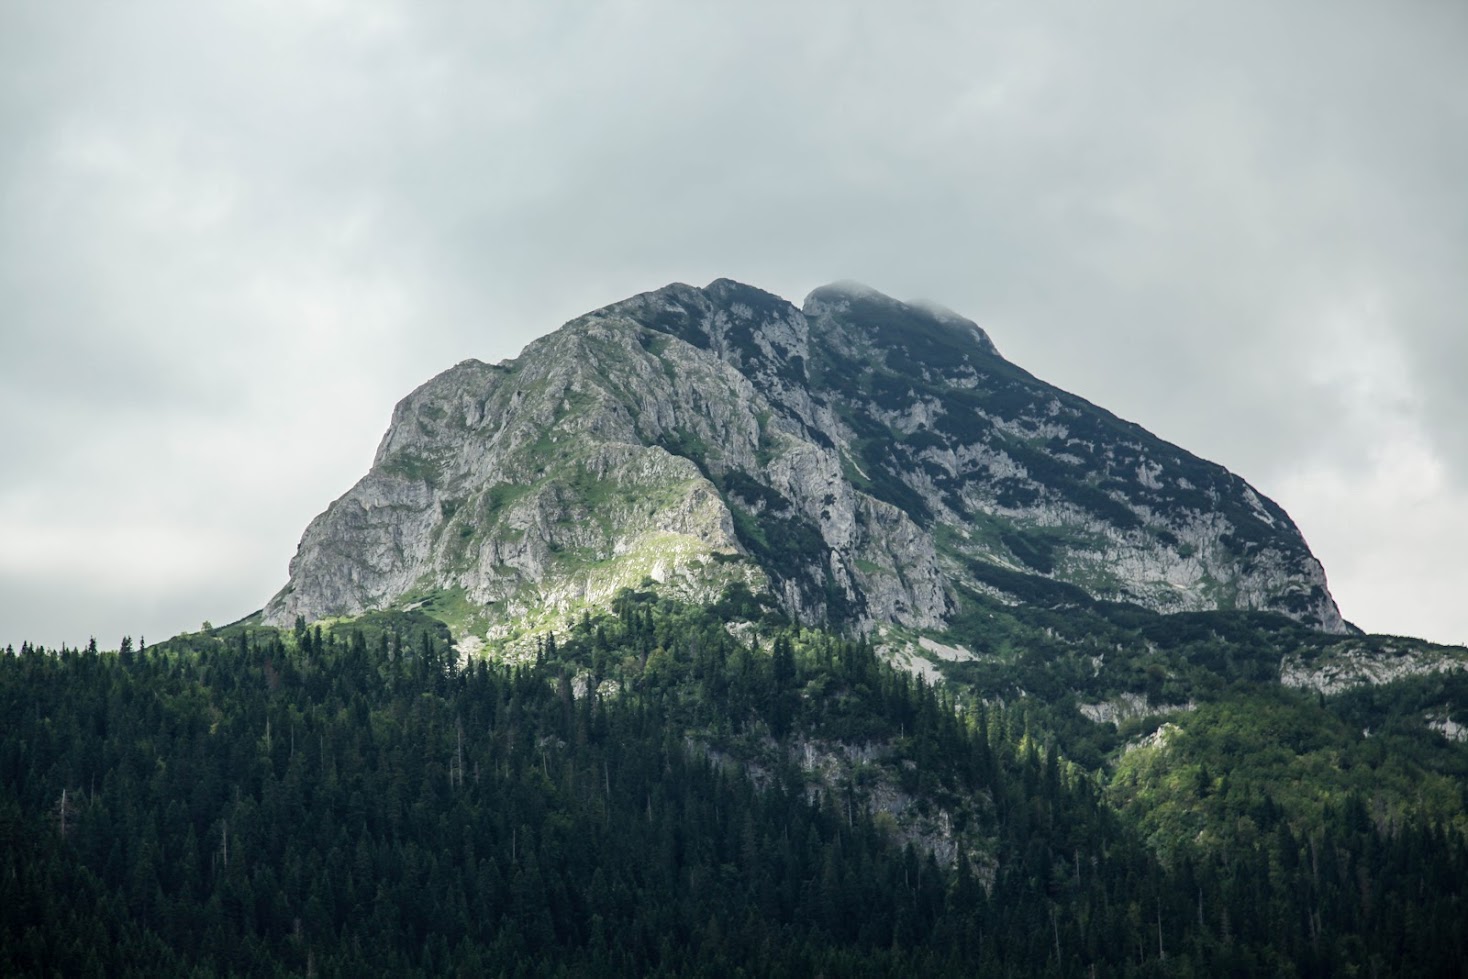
x=232, y=235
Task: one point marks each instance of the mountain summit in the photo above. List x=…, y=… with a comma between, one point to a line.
x=859, y=460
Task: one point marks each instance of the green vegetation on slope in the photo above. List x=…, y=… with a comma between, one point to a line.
x=321, y=802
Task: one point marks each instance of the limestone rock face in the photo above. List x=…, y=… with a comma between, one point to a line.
x=861, y=460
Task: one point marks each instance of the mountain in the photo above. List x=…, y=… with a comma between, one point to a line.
x=861, y=461
x=1075, y=702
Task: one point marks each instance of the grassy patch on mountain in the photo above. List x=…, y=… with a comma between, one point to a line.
x=412, y=466
x=449, y=608
x=1201, y=785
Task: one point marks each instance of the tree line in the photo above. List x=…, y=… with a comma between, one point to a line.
x=362, y=801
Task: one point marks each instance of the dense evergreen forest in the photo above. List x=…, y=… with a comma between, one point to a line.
x=628, y=801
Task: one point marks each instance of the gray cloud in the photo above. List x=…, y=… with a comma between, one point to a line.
x=231, y=238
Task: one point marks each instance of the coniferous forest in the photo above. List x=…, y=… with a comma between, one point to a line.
x=626, y=800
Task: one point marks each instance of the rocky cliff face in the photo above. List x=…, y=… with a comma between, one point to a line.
x=862, y=460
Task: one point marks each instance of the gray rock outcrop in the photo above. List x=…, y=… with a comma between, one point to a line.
x=861, y=460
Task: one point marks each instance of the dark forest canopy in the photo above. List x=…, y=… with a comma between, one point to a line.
x=359, y=801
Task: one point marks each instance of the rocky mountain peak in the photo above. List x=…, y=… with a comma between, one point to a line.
x=885, y=320
x=861, y=461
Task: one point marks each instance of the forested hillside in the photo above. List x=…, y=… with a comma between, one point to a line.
x=650, y=793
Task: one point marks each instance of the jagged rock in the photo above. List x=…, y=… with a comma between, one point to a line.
x=863, y=460
x=1369, y=661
